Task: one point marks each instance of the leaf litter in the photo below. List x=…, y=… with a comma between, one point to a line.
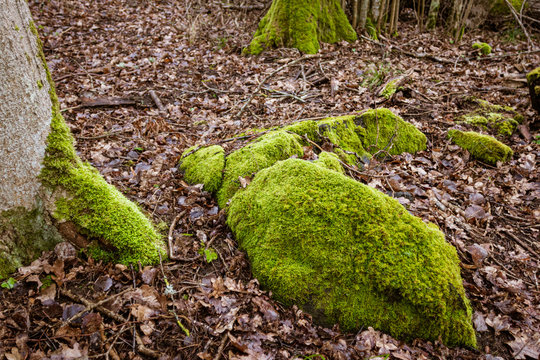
x=124, y=54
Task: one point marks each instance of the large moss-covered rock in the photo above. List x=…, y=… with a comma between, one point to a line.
x=347, y=253
x=204, y=166
x=482, y=147
x=301, y=24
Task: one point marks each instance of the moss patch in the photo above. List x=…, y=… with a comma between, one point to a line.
x=329, y=161
x=301, y=24
x=386, y=131
x=29, y=233
x=347, y=253
x=247, y=161
x=498, y=119
x=204, y=167
x=533, y=81
x=484, y=48
x=99, y=210
x=482, y=147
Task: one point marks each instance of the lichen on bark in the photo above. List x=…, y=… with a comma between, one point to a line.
x=301, y=24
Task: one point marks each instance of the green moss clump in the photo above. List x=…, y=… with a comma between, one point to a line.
x=347, y=253
x=389, y=90
x=247, y=161
x=389, y=132
x=204, y=166
x=533, y=82
x=31, y=233
x=371, y=29
x=301, y=24
x=482, y=147
x=98, y=209
x=485, y=49
x=502, y=124
x=499, y=7
x=329, y=161
x=343, y=132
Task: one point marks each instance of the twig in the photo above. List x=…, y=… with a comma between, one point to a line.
x=243, y=7
x=514, y=13
x=221, y=346
x=284, y=94
x=170, y=239
x=157, y=101
x=521, y=243
x=303, y=58
x=94, y=305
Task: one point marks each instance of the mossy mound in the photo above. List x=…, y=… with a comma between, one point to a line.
x=204, y=167
x=386, y=131
x=329, y=161
x=301, y=24
x=347, y=253
x=484, y=48
x=533, y=81
x=353, y=138
x=501, y=120
x=247, y=161
x=482, y=147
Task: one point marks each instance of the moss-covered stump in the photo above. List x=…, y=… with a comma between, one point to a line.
x=533, y=81
x=204, y=167
x=301, y=24
x=497, y=119
x=347, y=253
x=482, y=147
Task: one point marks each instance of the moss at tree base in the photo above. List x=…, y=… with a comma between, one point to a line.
x=26, y=234
x=482, y=147
x=347, y=253
x=301, y=24
x=533, y=81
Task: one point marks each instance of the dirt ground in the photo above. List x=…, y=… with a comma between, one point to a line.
x=114, y=60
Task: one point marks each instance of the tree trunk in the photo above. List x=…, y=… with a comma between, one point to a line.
x=44, y=186
x=433, y=14
x=301, y=24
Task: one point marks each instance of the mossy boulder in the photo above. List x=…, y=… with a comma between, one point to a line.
x=349, y=254
x=204, y=167
x=353, y=138
x=498, y=119
x=533, y=81
x=301, y=24
x=482, y=147
x=482, y=47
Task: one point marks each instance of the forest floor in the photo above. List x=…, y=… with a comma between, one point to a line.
x=111, y=59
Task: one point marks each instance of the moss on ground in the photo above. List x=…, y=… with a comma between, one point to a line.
x=204, y=167
x=502, y=120
x=347, y=253
x=482, y=147
x=484, y=48
x=342, y=132
x=301, y=24
x=533, y=82
x=98, y=209
x=388, y=132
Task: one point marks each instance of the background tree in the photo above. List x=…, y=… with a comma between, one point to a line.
x=46, y=192
x=301, y=24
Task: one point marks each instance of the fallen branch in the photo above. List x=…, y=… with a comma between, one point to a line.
x=303, y=58
x=157, y=101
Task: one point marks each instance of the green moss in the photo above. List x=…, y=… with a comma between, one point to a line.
x=482, y=147
x=262, y=153
x=389, y=89
x=40, y=84
x=371, y=29
x=533, y=75
x=499, y=7
x=485, y=49
x=386, y=131
x=30, y=233
x=347, y=253
x=307, y=128
x=301, y=24
x=204, y=166
x=329, y=161
x=502, y=124
x=99, y=210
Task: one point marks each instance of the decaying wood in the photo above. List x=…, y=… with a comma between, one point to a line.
x=107, y=101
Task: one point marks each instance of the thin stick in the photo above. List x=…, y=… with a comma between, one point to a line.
x=303, y=58
x=157, y=101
